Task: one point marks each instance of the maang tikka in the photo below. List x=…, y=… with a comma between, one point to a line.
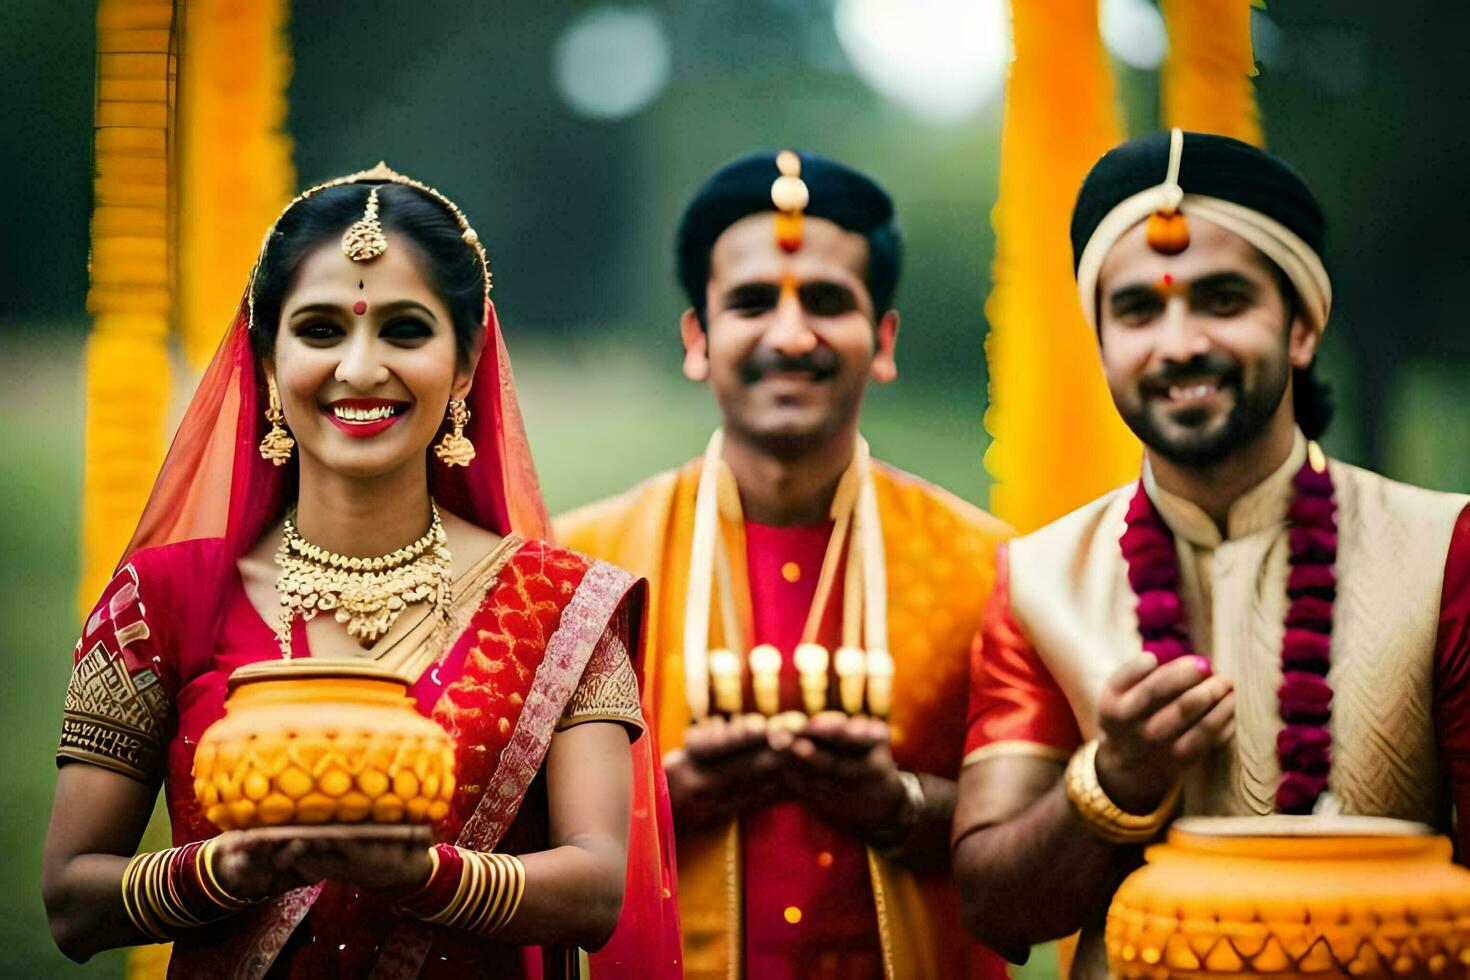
x=455, y=449
x=364, y=240
x=277, y=444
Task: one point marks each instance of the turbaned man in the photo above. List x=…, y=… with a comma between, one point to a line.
x=1250, y=628
x=811, y=608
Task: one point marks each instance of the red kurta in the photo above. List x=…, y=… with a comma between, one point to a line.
x=808, y=899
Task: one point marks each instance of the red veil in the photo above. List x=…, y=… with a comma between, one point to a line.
x=214, y=484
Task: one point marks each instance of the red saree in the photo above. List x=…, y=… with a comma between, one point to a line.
x=174, y=623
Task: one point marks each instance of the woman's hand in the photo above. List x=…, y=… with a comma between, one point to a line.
x=262, y=863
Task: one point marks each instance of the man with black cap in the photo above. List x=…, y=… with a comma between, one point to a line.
x=811, y=609
x=1250, y=628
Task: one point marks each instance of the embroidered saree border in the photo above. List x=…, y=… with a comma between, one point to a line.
x=570, y=647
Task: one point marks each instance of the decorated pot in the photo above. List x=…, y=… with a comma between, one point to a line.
x=314, y=741
x=1285, y=896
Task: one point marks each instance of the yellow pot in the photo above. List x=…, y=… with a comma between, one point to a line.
x=322, y=741
x=1283, y=896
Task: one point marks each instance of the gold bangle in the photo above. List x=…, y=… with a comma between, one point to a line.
x=487, y=896
x=146, y=895
x=518, y=871
x=470, y=882
x=205, y=858
x=513, y=878
x=1104, y=817
x=131, y=904
x=915, y=804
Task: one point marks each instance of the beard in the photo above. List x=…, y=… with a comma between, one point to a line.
x=1197, y=438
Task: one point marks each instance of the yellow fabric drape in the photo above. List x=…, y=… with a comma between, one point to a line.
x=235, y=170
x=207, y=163
x=1057, y=440
x=131, y=278
x=1207, y=76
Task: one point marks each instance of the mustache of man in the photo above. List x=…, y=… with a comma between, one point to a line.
x=820, y=363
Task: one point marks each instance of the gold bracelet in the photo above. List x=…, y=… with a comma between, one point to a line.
x=1104, y=817
x=915, y=804
x=204, y=861
x=131, y=903
x=514, y=876
x=487, y=896
x=167, y=892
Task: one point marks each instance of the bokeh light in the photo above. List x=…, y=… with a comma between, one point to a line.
x=612, y=61
x=1134, y=32
x=940, y=59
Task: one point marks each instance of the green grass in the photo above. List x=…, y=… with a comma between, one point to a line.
x=41, y=444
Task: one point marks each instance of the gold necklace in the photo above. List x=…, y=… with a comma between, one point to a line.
x=366, y=595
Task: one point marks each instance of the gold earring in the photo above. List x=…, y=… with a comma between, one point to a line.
x=454, y=449
x=277, y=444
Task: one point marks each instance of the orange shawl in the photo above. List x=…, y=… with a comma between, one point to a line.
x=940, y=563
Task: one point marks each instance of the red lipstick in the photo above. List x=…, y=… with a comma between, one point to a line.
x=362, y=418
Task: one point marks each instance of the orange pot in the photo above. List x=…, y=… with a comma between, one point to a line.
x=322, y=741
x=1284, y=896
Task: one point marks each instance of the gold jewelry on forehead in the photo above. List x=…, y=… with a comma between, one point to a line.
x=790, y=195
x=381, y=174
x=365, y=241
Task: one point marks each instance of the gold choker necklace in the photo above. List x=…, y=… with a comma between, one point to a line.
x=366, y=595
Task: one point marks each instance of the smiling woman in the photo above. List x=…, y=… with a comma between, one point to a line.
x=367, y=330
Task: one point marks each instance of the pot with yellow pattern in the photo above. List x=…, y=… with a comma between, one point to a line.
x=1286, y=897
x=316, y=741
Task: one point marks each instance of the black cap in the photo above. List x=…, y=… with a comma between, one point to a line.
x=838, y=193
x=1212, y=166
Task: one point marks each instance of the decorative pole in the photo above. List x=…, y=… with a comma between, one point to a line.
x=131, y=295
x=235, y=171
x=1207, y=76
x=191, y=165
x=1057, y=440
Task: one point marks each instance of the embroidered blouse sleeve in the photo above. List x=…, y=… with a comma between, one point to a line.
x=1452, y=680
x=1015, y=704
x=118, y=712
x=608, y=690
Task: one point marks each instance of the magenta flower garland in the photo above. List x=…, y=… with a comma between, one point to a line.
x=1304, y=745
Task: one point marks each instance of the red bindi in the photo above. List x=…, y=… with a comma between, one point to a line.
x=1168, y=279
x=360, y=307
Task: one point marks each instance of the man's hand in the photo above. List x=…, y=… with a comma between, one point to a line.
x=1157, y=721
x=724, y=767
x=842, y=768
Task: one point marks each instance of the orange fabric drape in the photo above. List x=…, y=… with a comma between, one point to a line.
x=235, y=171
x=1057, y=440
x=131, y=292
x=1207, y=76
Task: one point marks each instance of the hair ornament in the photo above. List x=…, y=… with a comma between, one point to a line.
x=364, y=240
x=368, y=224
x=790, y=195
x=1168, y=230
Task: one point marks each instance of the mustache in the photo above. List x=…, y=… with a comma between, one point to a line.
x=820, y=362
x=1214, y=365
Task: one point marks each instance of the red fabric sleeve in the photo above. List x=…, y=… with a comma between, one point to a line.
x=1013, y=697
x=1452, y=680
x=119, y=709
